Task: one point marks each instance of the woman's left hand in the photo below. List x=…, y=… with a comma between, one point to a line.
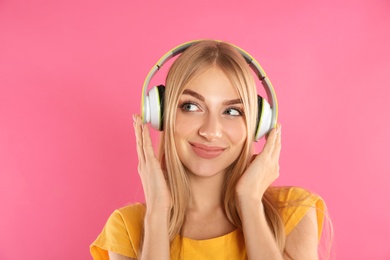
x=263, y=170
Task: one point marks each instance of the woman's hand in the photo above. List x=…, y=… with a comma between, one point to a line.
x=157, y=194
x=263, y=170
x=250, y=188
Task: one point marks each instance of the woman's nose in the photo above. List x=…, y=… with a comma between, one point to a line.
x=211, y=128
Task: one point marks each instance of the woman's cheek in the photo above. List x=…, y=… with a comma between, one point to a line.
x=236, y=131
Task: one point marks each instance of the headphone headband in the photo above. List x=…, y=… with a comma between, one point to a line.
x=255, y=66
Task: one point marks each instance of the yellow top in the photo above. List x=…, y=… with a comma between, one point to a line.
x=123, y=230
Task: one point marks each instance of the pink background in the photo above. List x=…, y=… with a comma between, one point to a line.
x=70, y=78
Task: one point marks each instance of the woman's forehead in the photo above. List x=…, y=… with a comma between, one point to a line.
x=211, y=82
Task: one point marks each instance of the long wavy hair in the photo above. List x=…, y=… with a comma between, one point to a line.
x=192, y=62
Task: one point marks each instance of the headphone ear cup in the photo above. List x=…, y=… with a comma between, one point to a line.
x=154, y=107
x=264, y=117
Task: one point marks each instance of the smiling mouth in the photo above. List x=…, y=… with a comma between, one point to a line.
x=207, y=152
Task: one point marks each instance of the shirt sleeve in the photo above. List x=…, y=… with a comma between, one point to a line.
x=121, y=234
x=295, y=203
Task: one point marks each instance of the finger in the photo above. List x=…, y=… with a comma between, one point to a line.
x=270, y=143
x=147, y=143
x=138, y=138
x=278, y=143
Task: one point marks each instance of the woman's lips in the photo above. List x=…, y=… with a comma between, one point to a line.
x=207, y=152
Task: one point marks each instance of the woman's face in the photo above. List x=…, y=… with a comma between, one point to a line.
x=210, y=126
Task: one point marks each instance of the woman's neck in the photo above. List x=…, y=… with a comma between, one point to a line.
x=206, y=192
x=205, y=216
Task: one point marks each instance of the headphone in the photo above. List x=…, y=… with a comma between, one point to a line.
x=152, y=104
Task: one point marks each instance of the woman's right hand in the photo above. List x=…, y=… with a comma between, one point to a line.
x=157, y=194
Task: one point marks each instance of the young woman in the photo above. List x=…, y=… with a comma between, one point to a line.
x=207, y=195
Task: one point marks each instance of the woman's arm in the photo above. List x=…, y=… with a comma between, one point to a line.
x=259, y=240
x=157, y=195
x=302, y=242
x=115, y=256
x=264, y=169
x=156, y=239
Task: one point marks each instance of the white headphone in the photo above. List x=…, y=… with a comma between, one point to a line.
x=152, y=104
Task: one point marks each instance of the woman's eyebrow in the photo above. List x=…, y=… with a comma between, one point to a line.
x=200, y=97
x=232, y=102
x=193, y=93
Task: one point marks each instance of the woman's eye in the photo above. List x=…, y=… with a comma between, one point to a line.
x=189, y=107
x=234, y=112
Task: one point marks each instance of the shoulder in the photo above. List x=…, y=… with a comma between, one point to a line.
x=294, y=203
x=122, y=232
x=286, y=194
x=128, y=219
x=131, y=212
x=130, y=216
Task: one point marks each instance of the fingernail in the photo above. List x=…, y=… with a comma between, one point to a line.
x=278, y=128
x=134, y=117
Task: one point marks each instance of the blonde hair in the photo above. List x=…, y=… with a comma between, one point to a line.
x=191, y=63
